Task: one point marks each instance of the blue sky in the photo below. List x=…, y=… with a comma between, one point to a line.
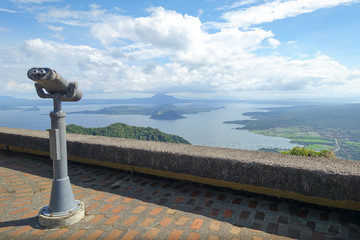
x=203, y=48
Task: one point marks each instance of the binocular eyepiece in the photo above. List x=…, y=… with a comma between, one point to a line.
x=37, y=71
x=53, y=83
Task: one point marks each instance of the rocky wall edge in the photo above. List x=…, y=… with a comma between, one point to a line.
x=329, y=182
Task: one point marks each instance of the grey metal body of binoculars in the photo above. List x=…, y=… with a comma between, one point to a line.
x=53, y=83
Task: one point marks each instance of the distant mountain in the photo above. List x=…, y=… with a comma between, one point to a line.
x=13, y=102
x=163, y=112
x=158, y=99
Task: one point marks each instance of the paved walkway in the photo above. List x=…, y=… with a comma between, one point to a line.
x=121, y=205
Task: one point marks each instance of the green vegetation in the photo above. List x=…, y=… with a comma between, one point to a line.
x=170, y=112
x=309, y=152
x=335, y=128
x=167, y=115
x=122, y=130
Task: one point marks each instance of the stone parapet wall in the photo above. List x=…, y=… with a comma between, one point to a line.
x=328, y=182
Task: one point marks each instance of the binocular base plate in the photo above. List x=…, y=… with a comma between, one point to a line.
x=49, y=221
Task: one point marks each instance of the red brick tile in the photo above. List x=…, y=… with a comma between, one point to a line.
x=22, y=186
x=4, y=199
x=77, y=235
x=252, y=204
x=112, y=219
x=214, y=212
x=259, y=216
x=221, y=197
x=46, y=195
x=228, y=213
x=215, y=225
x=195, y=193
x=127, y=200
x=175, y=235
x=211, y=237
x=181, y=221
x=97, y=218
x=58, y=233
x=106, y=207
x=91, y=207
x=30, y=214
x=129, y=221
x=197, y=223
x=151, y=234
x=209, y=194
x=118, y=209
x=130, y=235
x=24, y=190
x=147, y=222
x=95, y=235
x=179, y=199
x=166, y=221
x=244, y=215
x=25, y=209
x=208, y=203
x=2, y=229
x=38, y=232
x=235, y=230
x=237, y=201
x=21, y=204
x=113, y=235
x=99, y=197
x=155, y=211
x=303, y=214
x=139, y=209
x=194, y=236
x=20, y=231
x=112, y=199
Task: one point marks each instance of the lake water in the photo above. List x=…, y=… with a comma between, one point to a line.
x=205, y=129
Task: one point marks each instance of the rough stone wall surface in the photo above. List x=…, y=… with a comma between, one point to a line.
x=335, y=179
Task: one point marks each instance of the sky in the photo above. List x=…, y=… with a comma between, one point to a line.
x=248, y=49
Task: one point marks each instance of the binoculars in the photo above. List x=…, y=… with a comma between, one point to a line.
x=53, y=83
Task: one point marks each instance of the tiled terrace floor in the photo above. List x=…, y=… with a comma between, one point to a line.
x=121, y=205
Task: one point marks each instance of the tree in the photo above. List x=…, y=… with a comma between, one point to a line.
x=299, y=151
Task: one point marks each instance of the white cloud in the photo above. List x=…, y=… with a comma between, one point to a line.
x=162, y=28
x=34, y=1
x=55, y=28
x=275, y=10
x=7, y=10
x=236, y=4
x=170, y=52
x=72, y=18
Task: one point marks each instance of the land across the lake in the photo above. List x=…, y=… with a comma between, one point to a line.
x=333, y=127
x=160, y=112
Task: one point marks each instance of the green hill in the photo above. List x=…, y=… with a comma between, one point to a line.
x=167, y=115
x=122, y=130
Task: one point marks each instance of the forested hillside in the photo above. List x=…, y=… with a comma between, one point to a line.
x=122, y=130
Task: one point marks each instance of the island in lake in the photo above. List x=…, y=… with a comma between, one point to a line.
x=161, y=112
x=333, y=127
x=121, y=130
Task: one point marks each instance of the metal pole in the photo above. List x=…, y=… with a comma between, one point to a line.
x=62, y=198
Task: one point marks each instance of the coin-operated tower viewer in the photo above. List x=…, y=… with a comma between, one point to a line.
x=63, y=209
